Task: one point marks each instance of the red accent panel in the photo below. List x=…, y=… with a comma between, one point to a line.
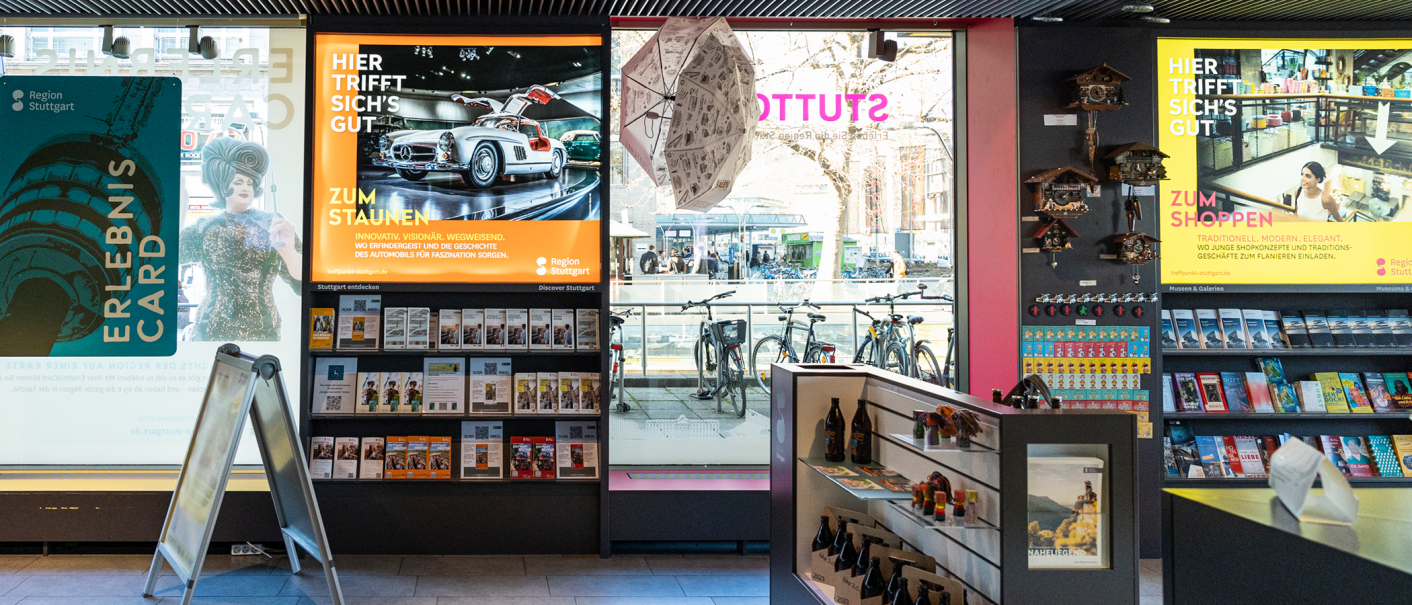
x=992, y=218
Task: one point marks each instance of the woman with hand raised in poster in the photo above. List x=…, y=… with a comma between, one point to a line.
x=1316, y=199
x=240, y=250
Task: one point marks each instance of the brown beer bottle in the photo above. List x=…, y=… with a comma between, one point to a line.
x=860, y=445
x=833, y=434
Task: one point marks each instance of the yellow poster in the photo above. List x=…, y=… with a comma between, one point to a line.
x=1290, y=163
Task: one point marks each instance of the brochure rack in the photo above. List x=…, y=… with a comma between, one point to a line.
x=991, y=557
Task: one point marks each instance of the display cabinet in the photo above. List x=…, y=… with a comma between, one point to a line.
x=1061, y=481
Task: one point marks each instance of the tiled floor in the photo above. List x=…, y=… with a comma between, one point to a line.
x=377, y=580
x=669, y=403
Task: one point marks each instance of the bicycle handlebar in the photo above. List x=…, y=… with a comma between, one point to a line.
x=790, y=309
x=690, y=304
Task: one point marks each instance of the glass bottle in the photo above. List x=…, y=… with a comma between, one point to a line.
x=895, y=582
x=847, y=556
x=838, y=538
x=972, y=506
x=860, y=566
x=872, y=585
x=945, y=596
x=833, y=433
x=861, y=441
x=900, y=596
x=924, y=596
x=919, y=424
x=824, y=538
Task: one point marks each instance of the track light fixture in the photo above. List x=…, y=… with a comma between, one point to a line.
x=1137, y=8
x=119, y=47
x=204, y=46
x=881, y=48
x=1159, y=20
x=1047, y=18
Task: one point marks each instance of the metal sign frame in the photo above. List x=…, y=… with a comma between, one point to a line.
x=266, y=405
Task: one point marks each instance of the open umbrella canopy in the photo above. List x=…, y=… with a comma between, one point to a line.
x=689, y=109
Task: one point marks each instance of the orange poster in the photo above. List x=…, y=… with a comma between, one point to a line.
x=457, y=159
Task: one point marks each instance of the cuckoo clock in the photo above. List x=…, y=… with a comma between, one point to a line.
x=1099, y=89
x=1137, y=249
x=1137, y=164
x=1054, y=237
x=1059, y=192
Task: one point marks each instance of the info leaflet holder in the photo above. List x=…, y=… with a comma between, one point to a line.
x=241, y=385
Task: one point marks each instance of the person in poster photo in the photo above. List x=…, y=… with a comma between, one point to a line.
x=1318, y=196
x=241, y=250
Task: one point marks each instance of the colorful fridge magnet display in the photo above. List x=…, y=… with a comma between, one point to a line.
x=1059, y=192
x=1098, y=89
x=1054, y=237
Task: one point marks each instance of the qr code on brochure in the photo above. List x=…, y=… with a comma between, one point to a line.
x=333, y=402
x=482, y=432
x=576, y=432
x=360, y=305
x=491, y=368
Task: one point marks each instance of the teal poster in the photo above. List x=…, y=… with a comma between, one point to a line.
x=89, y=216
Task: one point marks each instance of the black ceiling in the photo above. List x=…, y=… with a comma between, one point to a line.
x=1071, y=10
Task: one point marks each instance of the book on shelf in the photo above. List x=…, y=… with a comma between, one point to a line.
x=433, y=331
x=1332, y=447
x=1311, y=396
x=369, y=392
x=1399, y=387
x=1384, y=456
x=1237, y=401
x=445, y=391
x=1169, y=397
x=1268, y=444
x=1341, y=327
x=482, y=449
x=345, y=458
x=1356, y=454
x=1252, y=463
x=418, y=327
x=1317, y=326
x=1188, y=334
x=1362, y=329
x=321, y=457
x=548, y=388
x=540, y=326
x=1285, y=399
x=1401, y=326
x=1295, y=330
x=1357, y=398
x=491, y=385
x=1255, y=329
x=1209, y=324
x=526, y=393
x=1212, y=399
x=1188, y=392
x=321, y=324
x=1272, y=330
x=1377, y=392
x=1214, y=464
x=335, y=386
x=1169, y=331
x=576, y=444
x=439, y=457
x=395, y=464
x=517, y=329
x=473, y=329
x=532, y=458
x=586, y=321
x=1381, y=327
x=372, y=457
x=1335, y=399
x=1402, y=444
x=1258, y=389
x=1232, y=455
x=394, y=328
x=417, y=446
x=1233, y=329
x=495, y=329
x=1184, y=450
x=449, y=326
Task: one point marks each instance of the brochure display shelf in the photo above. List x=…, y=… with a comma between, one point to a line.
x=989, y=557
x=1298, y=364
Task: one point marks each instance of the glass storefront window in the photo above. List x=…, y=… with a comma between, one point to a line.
x=830, y=209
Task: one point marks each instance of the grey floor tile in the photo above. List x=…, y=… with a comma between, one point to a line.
x=725, y=586
x=1150, y=600
x=347, y=600
x=463, y=566
x=590, y=565
x=313, y=585
x=69, y=585
x=484, y=586
x=614, y=586
x=176, y=600
x=89, y=565
x=238, y=586
x=709, y=565
x=216, y=565
x=11, y=563
x=134, y=600
x=505, y=601
x=741, y=600
x=1150, y=584
x=348, y=565
x=7, y=583
x=643, y=601
x=9, y=600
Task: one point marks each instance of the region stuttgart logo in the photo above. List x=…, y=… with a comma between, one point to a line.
x=19, y=105
x=540, y=261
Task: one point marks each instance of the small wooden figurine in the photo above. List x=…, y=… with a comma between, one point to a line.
x=1137, y=164
x=1059, y=192
x=1054, y=237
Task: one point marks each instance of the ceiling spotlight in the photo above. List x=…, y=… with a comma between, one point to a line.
x=118, y=48
x=577, y=64
x=513, y=54
x=469, y=54
x=1137, y=8
x=1047, y=18
x=1152, y=19
x=201, y=45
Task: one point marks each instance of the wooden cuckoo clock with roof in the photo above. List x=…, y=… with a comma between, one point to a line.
x=1059, y=192
x=1137, y=249
x=1137, y=164
x=1054, y=237
x=1099, y=89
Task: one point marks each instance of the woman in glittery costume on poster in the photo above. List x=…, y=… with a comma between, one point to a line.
x=241, y=250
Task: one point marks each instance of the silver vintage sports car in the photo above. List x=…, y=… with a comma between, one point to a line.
x=502, y=142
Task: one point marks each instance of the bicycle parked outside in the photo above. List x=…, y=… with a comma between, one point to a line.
x=618, y=360
x=720, y=368
x=780, y=348
x=892, y=343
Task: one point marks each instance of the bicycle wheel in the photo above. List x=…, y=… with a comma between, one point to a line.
x=733, y=381
x=770, y=349
x=924, y=366
x=895, y=359
x=616, y=389
x=865, y=353
x=707, y=375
